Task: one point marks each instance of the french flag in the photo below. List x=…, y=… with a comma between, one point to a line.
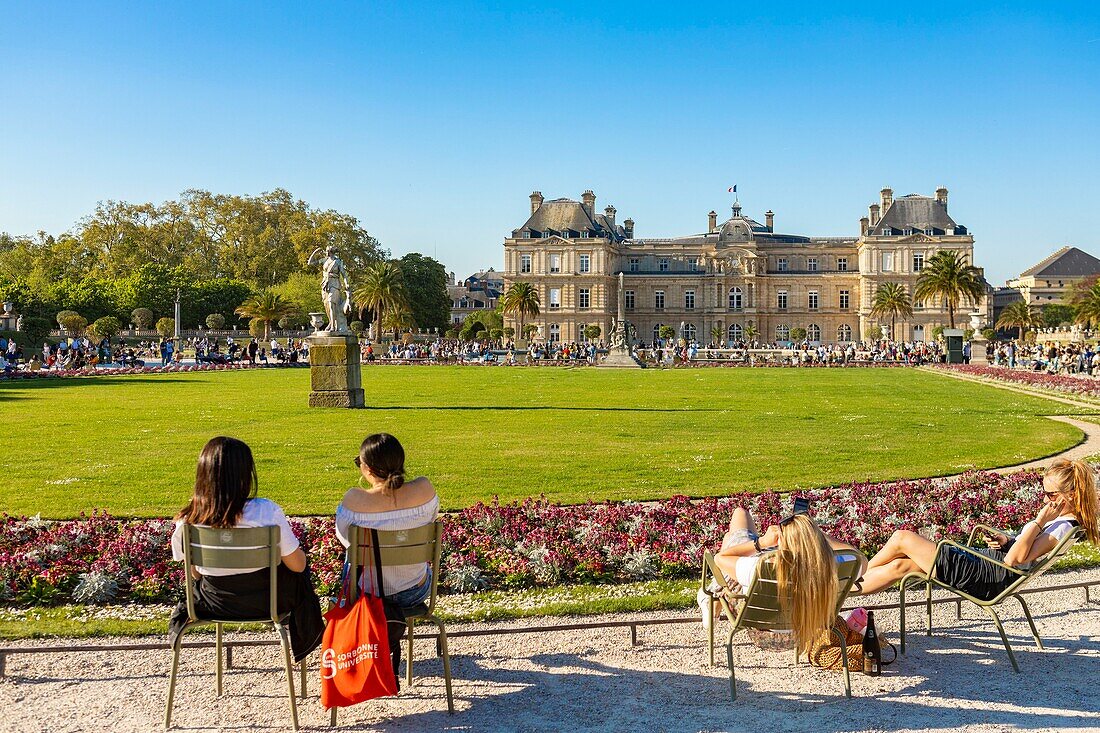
x=733, y=189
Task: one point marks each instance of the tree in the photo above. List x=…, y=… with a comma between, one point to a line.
x=509, y=332
x=142, y=318
x=496, y=333
x=426, y=291
x=592, y=332
x=521, y=300
x=265, y=306
x=302, y=289
x=166, y=327
x=1087, y=303
x=258, y=328
x=73, y=323
x=477, y=321
x=106, y=327
x=798, y=334
x=667, y=333
x=1057, y=314
x=716, y=334
x=215, y=321
x=291, y=321
x=946, y=275
x=891, y=301
x=382, y=286
x=528, y=330
x=751, y=333
x=1019, y=315
x=450, y=333
x=397, y=317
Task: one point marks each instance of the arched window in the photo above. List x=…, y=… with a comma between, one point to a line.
x=813, y=332
x=783, y=333
x=657, y=332
x=735, y=298
x=689, y=332
x=555, y=332
x=844, y=333
x=918, y=332
x=735, y=332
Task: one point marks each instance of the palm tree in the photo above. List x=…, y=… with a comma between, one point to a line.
x=382, y=287
x=265, y=306
x=946, y=275
x=397, y=316
x=1087, y=303
x=750, y=333
x=1021, y=316
x=891, y=300
x=521, y=300
x=716, y=334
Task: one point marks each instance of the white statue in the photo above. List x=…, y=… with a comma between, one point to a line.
x=335, y=290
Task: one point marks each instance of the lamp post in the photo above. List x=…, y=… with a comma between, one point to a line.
x=177, y=316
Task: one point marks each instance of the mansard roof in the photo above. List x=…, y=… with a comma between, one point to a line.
x=1066, y=262
x=915, y=212
x=564, y=215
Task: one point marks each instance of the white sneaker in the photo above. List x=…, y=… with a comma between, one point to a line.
x=706, y=605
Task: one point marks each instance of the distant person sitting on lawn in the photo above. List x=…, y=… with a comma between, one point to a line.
x=1069, y=488
x=225, y=497
x=389, y=502
x=805, y=563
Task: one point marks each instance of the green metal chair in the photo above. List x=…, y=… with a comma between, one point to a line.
x=1023, y=578
x=243, y=547
x=405, y=547
x=758, y=607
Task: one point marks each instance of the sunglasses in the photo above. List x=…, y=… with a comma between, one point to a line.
x=358, y=462
x=1051, y=494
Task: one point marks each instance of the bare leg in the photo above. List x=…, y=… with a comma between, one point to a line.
x=905, y=544
x=740, y=520
x=883, y=576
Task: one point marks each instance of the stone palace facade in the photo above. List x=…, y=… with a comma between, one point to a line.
x=737, y=273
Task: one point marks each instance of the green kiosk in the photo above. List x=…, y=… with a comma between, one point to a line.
x=953, y=337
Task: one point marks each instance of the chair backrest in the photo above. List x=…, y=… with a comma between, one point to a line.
x=1044, y=563
x=230, y=549
x=761, y=608
x=396, y=547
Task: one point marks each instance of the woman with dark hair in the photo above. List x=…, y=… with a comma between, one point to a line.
x=389, y=502
x=225, y=497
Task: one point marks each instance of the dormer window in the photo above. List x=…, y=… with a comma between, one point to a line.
x=584, y=234
x=662, y=264
x=565, y=234
x=782, y=264
x=908, y=232
x=887, y=231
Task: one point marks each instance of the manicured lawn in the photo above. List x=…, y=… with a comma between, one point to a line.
x=128, y=444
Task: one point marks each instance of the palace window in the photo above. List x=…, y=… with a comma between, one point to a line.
x=735, y=298
x=811, y=264
x=811, y=301
x=887, y=261
x=908, y=232
x=628, y=300
x=735, y=332
x=584, y=234
x=918, y=261
x=555, y=297
x=781, y=300
x=633, y=264
x=689, y=300
x=887, y=232
x=783, y=333
x=565, y=234
x=842, y=264
x=525, y=263
x=657, y=332
x=585, y=263
x=781, y=264
x=583, y=298
x=813, y=332
x=555, y=263
x=689, y=332
x=659, y=300
x=555, y=332
x=845, y=298
x=844, y=333
x=662, y=264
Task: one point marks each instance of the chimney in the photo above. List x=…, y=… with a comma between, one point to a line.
x=589, y=200
x=864, y=225
x=873, y=216
x=712, y=221
x=769, y=220
x=887, y=199
x=628, y=225
x=941, y=196
x=609, y=212
x=454, y=279
x=536, y=201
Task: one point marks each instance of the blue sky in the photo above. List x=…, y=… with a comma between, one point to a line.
x=433, y=122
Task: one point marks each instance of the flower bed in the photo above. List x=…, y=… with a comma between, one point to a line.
x=115, y=371
x=98, y=559
x=1075, y=385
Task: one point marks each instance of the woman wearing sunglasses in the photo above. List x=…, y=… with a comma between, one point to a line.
x=385, y=500
x=1069, y=490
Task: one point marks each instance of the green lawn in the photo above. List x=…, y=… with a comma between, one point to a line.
x=128, y=444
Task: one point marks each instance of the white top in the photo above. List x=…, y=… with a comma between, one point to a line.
x=256, y=513
x=745, y=568
x=1060, y=527
x=396, y=578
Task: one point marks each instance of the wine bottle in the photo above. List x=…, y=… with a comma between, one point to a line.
x=872, y=652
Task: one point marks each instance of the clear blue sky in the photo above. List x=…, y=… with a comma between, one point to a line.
x=433, y=122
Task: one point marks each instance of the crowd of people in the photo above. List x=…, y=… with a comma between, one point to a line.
x=1051, y=357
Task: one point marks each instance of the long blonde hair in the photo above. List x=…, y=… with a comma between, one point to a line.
x=805, y=570
x=1076, y=480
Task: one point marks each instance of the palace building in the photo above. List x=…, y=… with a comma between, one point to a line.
x=736, y=274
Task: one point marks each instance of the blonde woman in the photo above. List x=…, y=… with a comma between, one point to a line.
x=1069, y=489
x=805, y=564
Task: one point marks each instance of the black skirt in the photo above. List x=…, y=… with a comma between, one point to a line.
x=246, y=597
x=971, y=575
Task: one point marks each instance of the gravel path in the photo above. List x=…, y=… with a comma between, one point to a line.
x=958, y=680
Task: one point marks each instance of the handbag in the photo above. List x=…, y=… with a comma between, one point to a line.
x=356, y=663
x=825, y=652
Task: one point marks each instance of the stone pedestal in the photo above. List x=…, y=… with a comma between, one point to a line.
x=621, y=359
x=334, y=374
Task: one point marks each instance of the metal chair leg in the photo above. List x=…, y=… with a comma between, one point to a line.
x=1030, y=622
x=284, y=638
x=409, y=647
x=218, y=657
x=901, y=614
x=1001, y=629
x=928, y=610
x=729, y=663
x=710, y=630
x=172, y=681
x=332, y=718
x=844, y=660
x=302, y=668
x=446, y=664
